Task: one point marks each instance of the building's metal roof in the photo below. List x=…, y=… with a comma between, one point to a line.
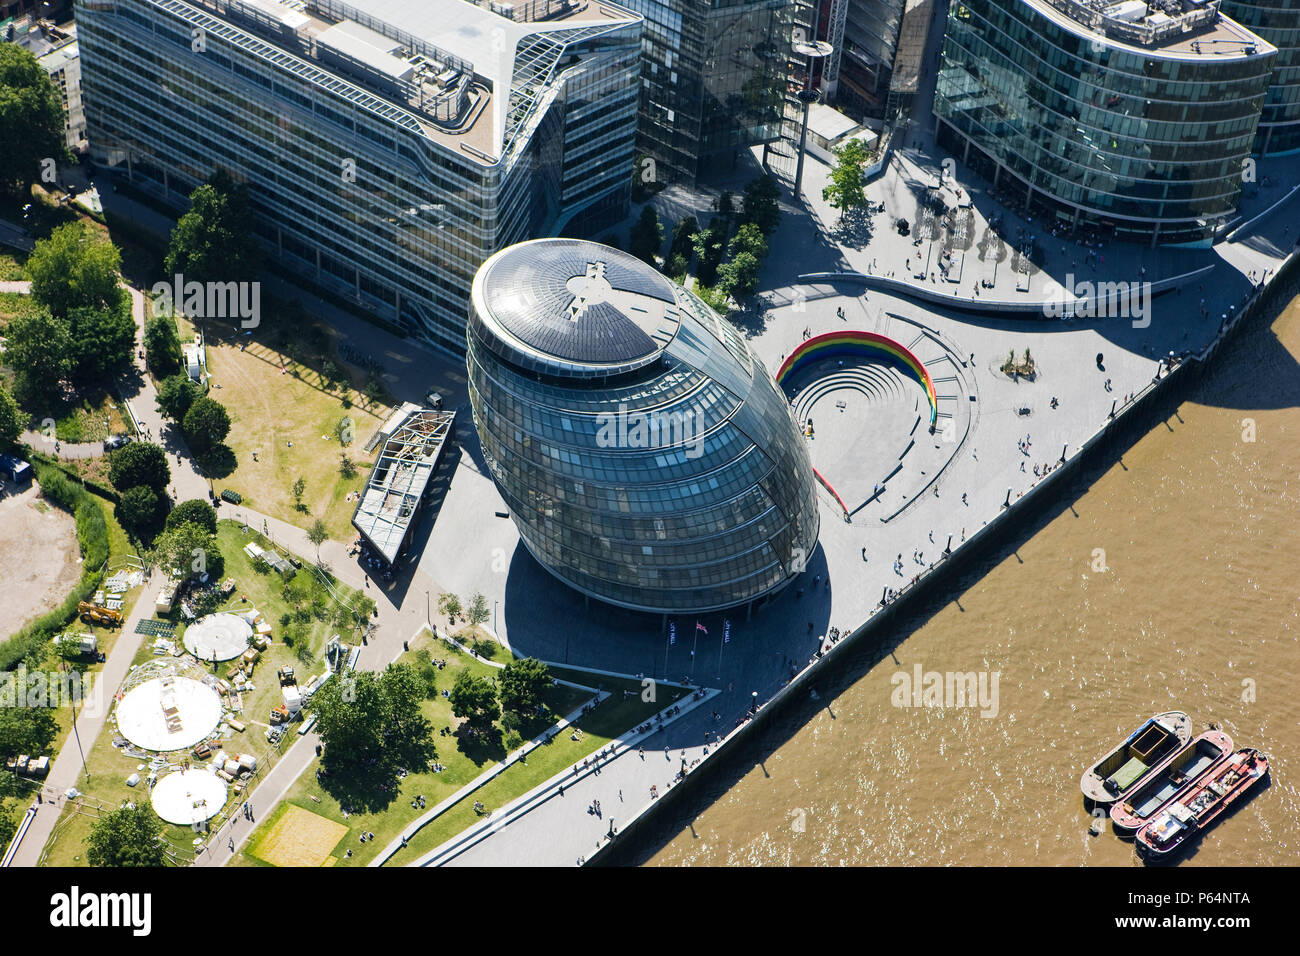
x=572, y=306
x=398, y=481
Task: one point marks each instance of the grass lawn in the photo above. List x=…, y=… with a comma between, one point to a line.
x=109, y=767
x=611, y=719
x=462, y=764
x=14, y=304
x=11, y=265
x=283, y=428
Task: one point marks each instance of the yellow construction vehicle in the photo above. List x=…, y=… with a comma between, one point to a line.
x=104, y=617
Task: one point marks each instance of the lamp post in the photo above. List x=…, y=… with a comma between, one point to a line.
x=814, y=50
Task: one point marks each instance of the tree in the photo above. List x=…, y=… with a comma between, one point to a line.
x=474, y=700
x=206, y=424
x=318, y=534
x=25, y=730
x=748, y=238
x=127, y=836
x=189, y=549
x=347, y=467
x=449, y=604
x=140, y=512
x=845, y=191
x=523, y=682
x=162, y=346
x=709, y=246
x=176, y=393
x=739, y=277
x=647, y=236
x=195, y=511
x=103, y=340
x=139, y=463
x=478, y=609
x=762, y=204
x=372, y=722
x=213, y=241
x=12, y=420
x=74, y=269
x=8, y=823
x=32, y=118
x=725, y=206
x=682, y=238
x=38, y=348
x=298, y=490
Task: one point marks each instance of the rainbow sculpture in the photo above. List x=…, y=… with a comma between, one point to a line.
x=859, y=344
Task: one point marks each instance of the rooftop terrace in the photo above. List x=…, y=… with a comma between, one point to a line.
x=1178, y=28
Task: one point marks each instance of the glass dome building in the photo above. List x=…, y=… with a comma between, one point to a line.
x=647, y=457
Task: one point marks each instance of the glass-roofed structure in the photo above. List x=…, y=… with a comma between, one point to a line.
x=647, y=457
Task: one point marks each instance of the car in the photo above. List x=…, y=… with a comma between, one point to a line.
x=117, y=441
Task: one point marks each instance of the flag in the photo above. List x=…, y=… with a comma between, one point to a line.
x=701, y=627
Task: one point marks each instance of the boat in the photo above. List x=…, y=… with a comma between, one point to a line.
x=1148, y=748
x=1189, y=764
x=1201, y=805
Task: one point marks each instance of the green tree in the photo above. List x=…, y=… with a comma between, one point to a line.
x=347, y=467
x=213, y=241
x=195, y=511
x=25, y=730
x=8, y=822
x=38, y=348
x=318, y=534
x=474, y=700
x=709, y=245
x=682, y=238
x=176, y=393
x=206, y=424
x=140, y=512
x=748, y=238
x=523, y=682
x=647, y=236
x=478, y=609
x=31, y=117
x=139, y=463
x=103, y=340
x=739, y=276
x=12, y=420
x=762, y=204
x=449, y=604
x=846, y=189
x=298, y=490
x=725, y=206
x=127, y=836
x=162, y=346
x=189, y=549
x=372, y=722
x=73, y=269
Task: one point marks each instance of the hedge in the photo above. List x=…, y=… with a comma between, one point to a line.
x=92, y=534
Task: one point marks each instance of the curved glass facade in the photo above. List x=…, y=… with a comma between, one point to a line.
x=1278, y=22
x=681, y=485
x=1146, y=142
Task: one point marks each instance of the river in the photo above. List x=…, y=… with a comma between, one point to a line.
x=1168, y=581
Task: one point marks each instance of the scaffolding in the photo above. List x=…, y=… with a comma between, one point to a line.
x=400, y=479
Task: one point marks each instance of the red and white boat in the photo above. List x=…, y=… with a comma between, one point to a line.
x=1169, y=782
x=1201, y=805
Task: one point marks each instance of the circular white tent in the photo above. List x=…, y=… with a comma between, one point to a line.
x=188, y=797
x=167, y=712
x=218, y=637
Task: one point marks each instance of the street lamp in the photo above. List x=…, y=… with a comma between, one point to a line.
x=814, y=50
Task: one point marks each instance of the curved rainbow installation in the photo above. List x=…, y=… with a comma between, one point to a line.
x=860, y=344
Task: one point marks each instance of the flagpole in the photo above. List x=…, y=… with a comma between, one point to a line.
x=721, y=638
x=694, y=645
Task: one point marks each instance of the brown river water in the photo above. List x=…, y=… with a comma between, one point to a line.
x=1168, y=581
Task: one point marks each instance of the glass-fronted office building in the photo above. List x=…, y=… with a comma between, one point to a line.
x=390, y=147
x=713, y=81
x=1132, y=120
x=646, y=456
x=1278, y=22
